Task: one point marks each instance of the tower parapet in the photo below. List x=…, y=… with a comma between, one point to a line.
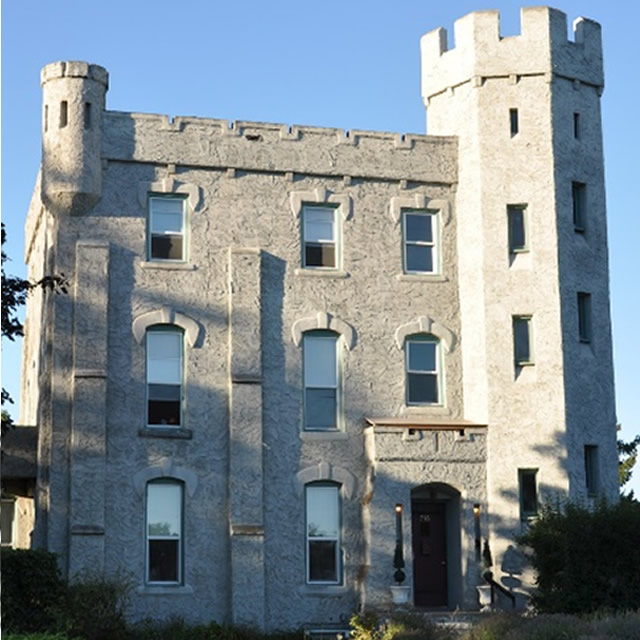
x=73, y=106
x=541, y=48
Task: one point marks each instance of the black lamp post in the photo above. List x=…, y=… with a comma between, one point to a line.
x=398, y=557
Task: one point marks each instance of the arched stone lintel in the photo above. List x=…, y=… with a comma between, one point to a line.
x=419, y=201
x=166, y=315
x=168, y=469
x=425, y=324
x=325, y=471
x=324, y=320
x=320, y=196
x=171, y=186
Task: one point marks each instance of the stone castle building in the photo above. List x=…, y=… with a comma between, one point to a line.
x=280, y=340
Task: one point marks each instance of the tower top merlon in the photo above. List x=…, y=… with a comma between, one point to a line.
x=541, y=48
x=74, y=69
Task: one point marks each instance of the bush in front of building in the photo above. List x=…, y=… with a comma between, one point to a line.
x=586, y=559
x=32, y=590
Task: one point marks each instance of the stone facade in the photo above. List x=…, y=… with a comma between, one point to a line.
x=244, y=302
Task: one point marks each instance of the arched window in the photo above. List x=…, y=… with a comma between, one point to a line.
x=423, y=365
x=164, y=536
x=323, y=539
x=321, y=381
x=165, y=366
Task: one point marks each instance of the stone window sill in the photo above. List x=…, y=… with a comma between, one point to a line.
x=421, y=277
x=314, y=436
x=165, y=432
x=324, y=590
x=167, y=266
x=321, y=273
x=169, y=590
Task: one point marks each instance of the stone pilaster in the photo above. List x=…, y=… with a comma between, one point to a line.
x=245, y=424
x=88, y=427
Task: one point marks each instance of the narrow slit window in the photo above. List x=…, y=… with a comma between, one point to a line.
x=591, y=469
x=63, y=114
x=584, y=316
x=87, y=115
x=517, y=221
x=579, y=202
x=528, y=490
x=522, y=351
x=576, y=125
x=513, y=122
x=46, y=117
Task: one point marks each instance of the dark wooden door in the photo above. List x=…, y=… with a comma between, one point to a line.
x=429, y=538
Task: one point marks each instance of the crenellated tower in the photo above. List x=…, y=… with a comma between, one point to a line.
x=532, y=251
x=73, y=106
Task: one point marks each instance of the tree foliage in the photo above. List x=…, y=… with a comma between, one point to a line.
x=627, y=458
x=586, y=559
x=14, y=294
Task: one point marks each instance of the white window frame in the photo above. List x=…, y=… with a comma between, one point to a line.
x=337, y=539
x=177, y=331
x=327, y=336
x=422, y=338
x=180, y=540
x=335, y=241
x=520, y=362
x=150, y=234
x=434, y=243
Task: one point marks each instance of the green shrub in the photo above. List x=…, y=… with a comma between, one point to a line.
x=94, y=607
x=400, y=627
x=36, y=636
x=31, y=590
x=586, y=560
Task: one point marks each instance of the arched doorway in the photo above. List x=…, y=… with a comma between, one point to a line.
x=435, y=531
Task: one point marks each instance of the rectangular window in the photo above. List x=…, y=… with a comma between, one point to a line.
x=576, y=125
x=166, y=228
x=591, y=469
x=63, y=114
x=528, y=490
x=422, y=359
x=321, y=376
x=522, y=351
x=7, y=514
x=87, y=115
x=164, y=532
x=584, y=316
x=579, y=199
x=164, y=377
x=319, y=237
x=513, y=121
x=420, y=246
x=517, y=221
x=323, y=534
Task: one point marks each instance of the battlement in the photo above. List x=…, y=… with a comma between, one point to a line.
x=74, y=69
x=541, y=48
x=261, y=146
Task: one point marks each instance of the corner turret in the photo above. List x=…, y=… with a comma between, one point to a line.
x=73, y=104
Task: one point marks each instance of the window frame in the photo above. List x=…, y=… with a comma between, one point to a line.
x=526, y=515
x=337, y=236
x=528, y=320
x=339, y=564
x=579, y=206
x=511, y=210
x=180, y=552
x=585, y=329
x=174, y=329
x=438, y=372
x=183, y=233
x=327, y=335
x=434, y=244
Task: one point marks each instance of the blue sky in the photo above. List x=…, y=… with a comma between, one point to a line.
x=348, y=64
